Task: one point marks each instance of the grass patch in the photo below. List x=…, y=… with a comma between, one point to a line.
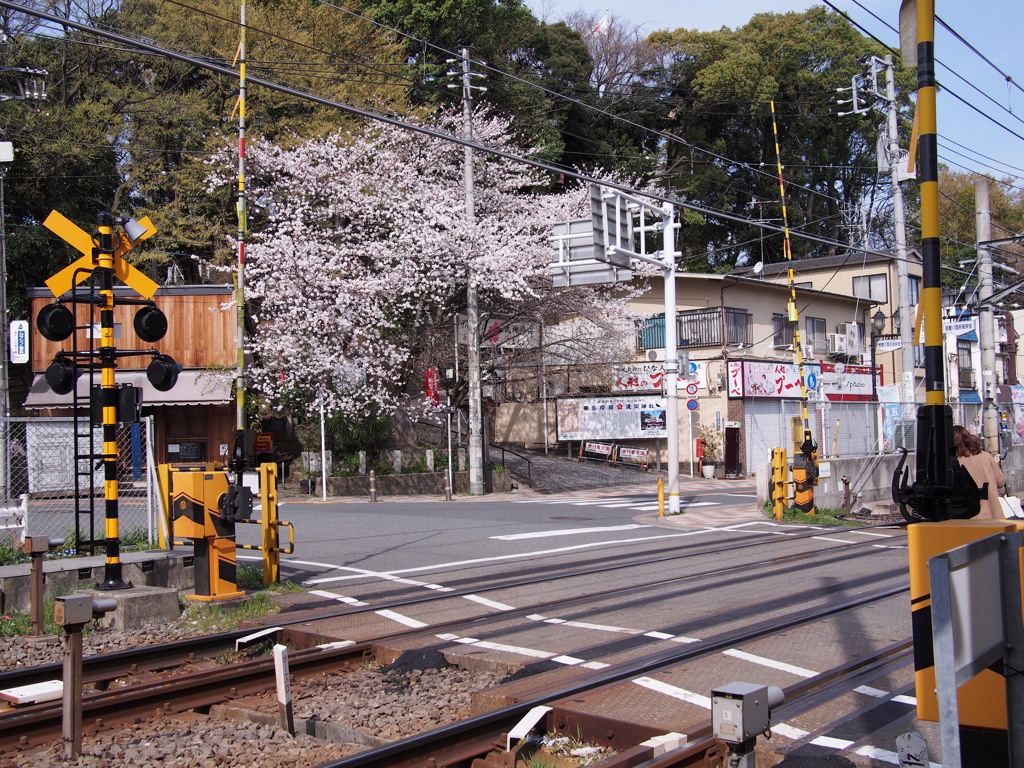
x=18, y=623
x=250, y=577
x=822, y=516
x=207, y=617
x=11, y=553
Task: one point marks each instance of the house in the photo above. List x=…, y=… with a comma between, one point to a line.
x=740, y=375
x=195, y=420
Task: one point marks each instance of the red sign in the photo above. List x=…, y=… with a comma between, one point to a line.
x=430, y=386
x=263, y=442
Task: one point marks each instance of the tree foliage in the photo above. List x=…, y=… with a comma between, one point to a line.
x=714, y=93
x=958, y=224
x=128, y=132
x=363, y=260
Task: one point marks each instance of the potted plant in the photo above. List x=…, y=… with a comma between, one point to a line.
x=711, y=441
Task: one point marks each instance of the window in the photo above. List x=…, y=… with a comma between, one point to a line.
x=815, y=331
x=915, y=290
x=966, y=369
x=872, y=287
x=782, y=331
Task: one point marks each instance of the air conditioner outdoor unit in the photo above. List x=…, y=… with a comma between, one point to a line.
x=837, y=344
x=852, y=333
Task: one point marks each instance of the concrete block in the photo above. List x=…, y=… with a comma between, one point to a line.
x=153, y=568
x=139, y=607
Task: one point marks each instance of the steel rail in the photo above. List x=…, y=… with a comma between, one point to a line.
x=107, y=667
x=418, y=750
x=40, y=723
x=608, y=568
x=145, y=658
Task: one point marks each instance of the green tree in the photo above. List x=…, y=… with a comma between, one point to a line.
x=132, y=132
x=958, y=223
x=715, y=93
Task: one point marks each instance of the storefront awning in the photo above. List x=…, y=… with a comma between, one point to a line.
x=192, y=388
x=969, y=396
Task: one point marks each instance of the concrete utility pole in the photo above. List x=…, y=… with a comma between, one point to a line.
x=986, y=317
x=866, y=86
x=906, y=324
x=476, y=442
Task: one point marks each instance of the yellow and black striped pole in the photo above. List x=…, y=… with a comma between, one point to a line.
x=941, y=490
x=238, y=453
x=805, y=464
x=104, y=270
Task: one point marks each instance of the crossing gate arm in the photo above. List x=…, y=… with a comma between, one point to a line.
x=277, y=524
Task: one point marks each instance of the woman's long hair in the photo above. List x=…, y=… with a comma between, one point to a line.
x=966, y=443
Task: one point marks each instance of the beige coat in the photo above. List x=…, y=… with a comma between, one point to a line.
x=984, y=468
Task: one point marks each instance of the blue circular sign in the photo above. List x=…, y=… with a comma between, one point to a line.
x=812, y=381
x=691, y=404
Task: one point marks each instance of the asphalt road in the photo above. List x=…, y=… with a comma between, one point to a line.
x=346, y=537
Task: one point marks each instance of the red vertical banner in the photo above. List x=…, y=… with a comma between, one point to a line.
x=430, y=386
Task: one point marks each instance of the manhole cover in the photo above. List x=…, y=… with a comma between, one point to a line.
x=569, y=517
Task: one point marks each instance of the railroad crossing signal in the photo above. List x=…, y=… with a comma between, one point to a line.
x=101, y=256
x=82, y=241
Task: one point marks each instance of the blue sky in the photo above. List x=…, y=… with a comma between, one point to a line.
x=993, y=27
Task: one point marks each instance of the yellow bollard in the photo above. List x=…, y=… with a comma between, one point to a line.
x=779, y=482
x=661, y=497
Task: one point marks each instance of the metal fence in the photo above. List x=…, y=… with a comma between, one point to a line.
x=40, y=463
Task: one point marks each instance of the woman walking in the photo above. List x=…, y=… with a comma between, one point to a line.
x=983, y=468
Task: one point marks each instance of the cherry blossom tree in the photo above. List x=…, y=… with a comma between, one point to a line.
x=361, y=251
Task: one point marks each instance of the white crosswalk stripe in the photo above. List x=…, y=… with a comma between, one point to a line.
x=641, y=504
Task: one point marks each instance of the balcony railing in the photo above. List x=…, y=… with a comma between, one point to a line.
x=967, y=378
x=697, y=328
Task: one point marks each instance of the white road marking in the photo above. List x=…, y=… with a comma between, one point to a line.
x=514, y=649
x=674, y=691
x=568, y=532
x=489, y=603
x=357, y=573
x=401, y=619
x=772, y=663
x=336, y=596
x=837, y=541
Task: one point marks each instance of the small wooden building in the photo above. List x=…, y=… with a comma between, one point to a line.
x=195, y=420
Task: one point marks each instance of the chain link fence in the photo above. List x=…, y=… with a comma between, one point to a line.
x=41, y=464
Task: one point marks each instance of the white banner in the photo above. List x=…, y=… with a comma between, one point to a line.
x=628, y=417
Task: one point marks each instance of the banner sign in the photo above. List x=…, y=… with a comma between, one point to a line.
x=431, y=383
x=633, y=454
x=638, y=377
x=845, y=383
x=774, y=380
x=604, y=449
x=627, y=417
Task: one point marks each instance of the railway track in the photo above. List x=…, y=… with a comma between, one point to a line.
x=199, y=690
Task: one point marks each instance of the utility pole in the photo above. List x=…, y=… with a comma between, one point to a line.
x=476, y=442
x=986, y=317
x=866, y=86
x=30, y=89
x=902, y=276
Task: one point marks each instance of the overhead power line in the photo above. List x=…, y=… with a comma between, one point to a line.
x=424, y=130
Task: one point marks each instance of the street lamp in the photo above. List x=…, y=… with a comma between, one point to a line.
x=877, y=325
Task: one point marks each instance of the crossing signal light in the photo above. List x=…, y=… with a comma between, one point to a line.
x=55, y=322
x=61, y=375
x=150, y=324
x=163, y=372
